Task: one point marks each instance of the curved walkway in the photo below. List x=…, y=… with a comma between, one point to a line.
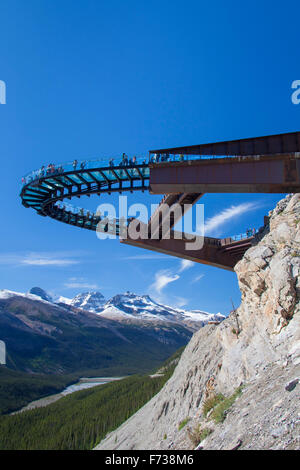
x=47, y=189
x=44, y=191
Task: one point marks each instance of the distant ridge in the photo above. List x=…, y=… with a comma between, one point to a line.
x=128, y=307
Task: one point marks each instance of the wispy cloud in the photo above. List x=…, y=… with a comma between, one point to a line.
x=80, y=283
x=197, y=278
x=156, y=290
x=165, y=277
x=185, y=264
x=40, y=261
x=162, y=279
x=59, y=259
x=213, y=223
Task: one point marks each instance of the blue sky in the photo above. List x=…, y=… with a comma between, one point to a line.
x=92, y=78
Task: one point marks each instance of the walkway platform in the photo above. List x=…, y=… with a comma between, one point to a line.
x=269, y=164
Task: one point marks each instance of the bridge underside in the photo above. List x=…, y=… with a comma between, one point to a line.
x=214, y=252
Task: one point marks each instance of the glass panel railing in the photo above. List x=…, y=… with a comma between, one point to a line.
x=115, y=162
x=104, y=162
x=164, y=158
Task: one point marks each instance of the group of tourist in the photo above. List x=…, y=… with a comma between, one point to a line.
x=126, y=161
x=80, y=167
x=155, y=158
x=50, y=170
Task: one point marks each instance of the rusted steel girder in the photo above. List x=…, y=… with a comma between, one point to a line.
x=251, y=174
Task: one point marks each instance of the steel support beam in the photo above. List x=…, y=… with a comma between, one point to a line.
x=254, y=174
x=167, y=214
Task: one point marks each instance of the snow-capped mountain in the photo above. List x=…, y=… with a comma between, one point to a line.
x=48, y=337
x=90, y=301
x=141, y=307
x=127, y=307
x=7, y=294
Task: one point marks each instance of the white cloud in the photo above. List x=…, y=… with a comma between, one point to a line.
x=48, y=262
x=224, y=216
x=165, y=277
x=185, y=264
x=162, y=279
x=80, y=283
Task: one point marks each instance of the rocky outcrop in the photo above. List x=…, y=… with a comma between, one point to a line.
x=258, y=346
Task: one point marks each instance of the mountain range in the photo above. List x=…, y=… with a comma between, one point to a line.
x=131, y=307
x=123, y=335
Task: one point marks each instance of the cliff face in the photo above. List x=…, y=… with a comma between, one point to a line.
x=258, y=346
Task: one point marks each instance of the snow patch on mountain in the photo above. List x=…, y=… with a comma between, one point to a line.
x=114, y=313
x=7, y=294
x=63, y=300
x=91, y=301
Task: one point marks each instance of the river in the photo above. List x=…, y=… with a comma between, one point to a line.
x=82, y=384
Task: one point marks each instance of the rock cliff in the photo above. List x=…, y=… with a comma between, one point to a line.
x=257, y=348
